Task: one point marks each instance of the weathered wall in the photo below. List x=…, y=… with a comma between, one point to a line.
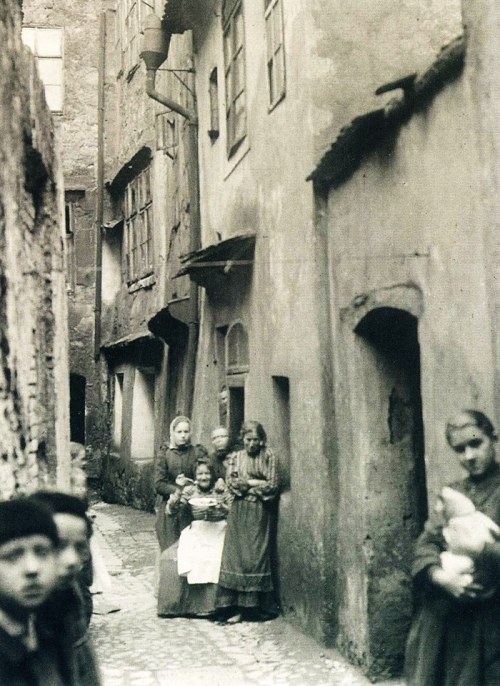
x=34, y=372
x=400, y=231
x=262, y=188
x=134, y=122
x=76, y=130
x=482, y=22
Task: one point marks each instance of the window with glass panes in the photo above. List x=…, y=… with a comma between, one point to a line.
x=46, y=44
x=129, y=18
x=138, y=219
x=234, y=61
x=275, y=52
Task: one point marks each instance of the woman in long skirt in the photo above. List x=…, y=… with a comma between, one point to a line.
x=245, y=583
x=179, y=456
x=189, y=569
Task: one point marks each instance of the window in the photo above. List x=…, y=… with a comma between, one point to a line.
x=213, y=92
x=72, y=210
x=234, y=60
x=237, y=354
x=46, y=46
x=138, y=218
x=275, y=52
x=70, y=246
x=129, y=17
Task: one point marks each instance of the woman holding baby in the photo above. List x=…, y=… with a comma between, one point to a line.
x=455, y=636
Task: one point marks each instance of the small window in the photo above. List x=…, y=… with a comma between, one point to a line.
x=138, y=219
x=275, y=51
x=213, y=91
x=47, y=47
x=72, y=205
x=234, y=61
x=237, y=352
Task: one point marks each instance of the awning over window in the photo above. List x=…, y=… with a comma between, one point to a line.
x=212, y=265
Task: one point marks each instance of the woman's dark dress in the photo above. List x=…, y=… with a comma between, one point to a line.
x=457, y=642
x=245, y=576
x=177, y=597
x=169, y=464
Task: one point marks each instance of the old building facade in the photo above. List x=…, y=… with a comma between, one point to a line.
x=33, y=327
x=253, y=262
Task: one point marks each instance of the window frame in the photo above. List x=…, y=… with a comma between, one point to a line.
x=274, y=61
x=129, y=17
x=33, y=45
x=137, y=206
x=234, y=63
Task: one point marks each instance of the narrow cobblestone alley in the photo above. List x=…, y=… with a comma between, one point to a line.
x=136, y=648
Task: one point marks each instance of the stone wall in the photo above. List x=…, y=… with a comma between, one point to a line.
x=76, y=131
x=34, y=435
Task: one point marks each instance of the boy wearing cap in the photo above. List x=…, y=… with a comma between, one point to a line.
x=29, y=653
x=69, y=608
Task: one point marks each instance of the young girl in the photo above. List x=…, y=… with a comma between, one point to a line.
x=221, y=450
x=455, y=636
x=189, y=569
x=178, y=457
x=245, y=584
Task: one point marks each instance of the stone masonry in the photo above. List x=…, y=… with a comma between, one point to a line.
x=33, y=348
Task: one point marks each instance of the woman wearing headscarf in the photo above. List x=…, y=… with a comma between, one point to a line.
x=177, y=458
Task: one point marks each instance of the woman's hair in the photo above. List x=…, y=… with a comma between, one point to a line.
x=470, y=418
x=252, y=425
x=202, y=461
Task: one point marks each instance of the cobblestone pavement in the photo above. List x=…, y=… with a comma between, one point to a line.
x=137, y=648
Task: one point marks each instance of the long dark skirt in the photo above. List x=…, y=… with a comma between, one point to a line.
x=177, y=598
x=168, y=527
x=454, y=644
x=245, y=576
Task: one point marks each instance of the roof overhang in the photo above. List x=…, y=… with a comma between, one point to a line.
x=171, y=322
x=367, y=132
x=211, y=266
x=183, y=15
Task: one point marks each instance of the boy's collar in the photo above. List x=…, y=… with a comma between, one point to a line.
x=25, y=631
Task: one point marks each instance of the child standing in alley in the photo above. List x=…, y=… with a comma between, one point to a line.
x=29, y=652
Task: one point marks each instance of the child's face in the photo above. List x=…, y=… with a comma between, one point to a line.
x=475, y=450
x=220, y=439
x=203, y=476
x=28, y=573
x=181, y=434
x=251, y=442
x=74, y=549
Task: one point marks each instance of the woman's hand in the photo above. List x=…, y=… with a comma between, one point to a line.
x=256, y=483
x=182, y=481
x=459, y=586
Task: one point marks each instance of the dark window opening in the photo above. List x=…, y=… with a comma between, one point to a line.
x=213, y=92
x=77, y=408
x=282, y=427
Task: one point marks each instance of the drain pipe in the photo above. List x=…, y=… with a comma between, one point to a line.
x=155, y=51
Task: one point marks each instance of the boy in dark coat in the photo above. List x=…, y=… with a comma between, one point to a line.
x=30, y=654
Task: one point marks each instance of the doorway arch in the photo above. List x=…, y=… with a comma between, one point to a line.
x=390, y=417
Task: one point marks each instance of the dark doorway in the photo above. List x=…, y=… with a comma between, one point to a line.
x=236, y=412
x=281, y=428
x=77, y=407
x=396, y=498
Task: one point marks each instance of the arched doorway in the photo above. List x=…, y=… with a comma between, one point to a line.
x=390, y=414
